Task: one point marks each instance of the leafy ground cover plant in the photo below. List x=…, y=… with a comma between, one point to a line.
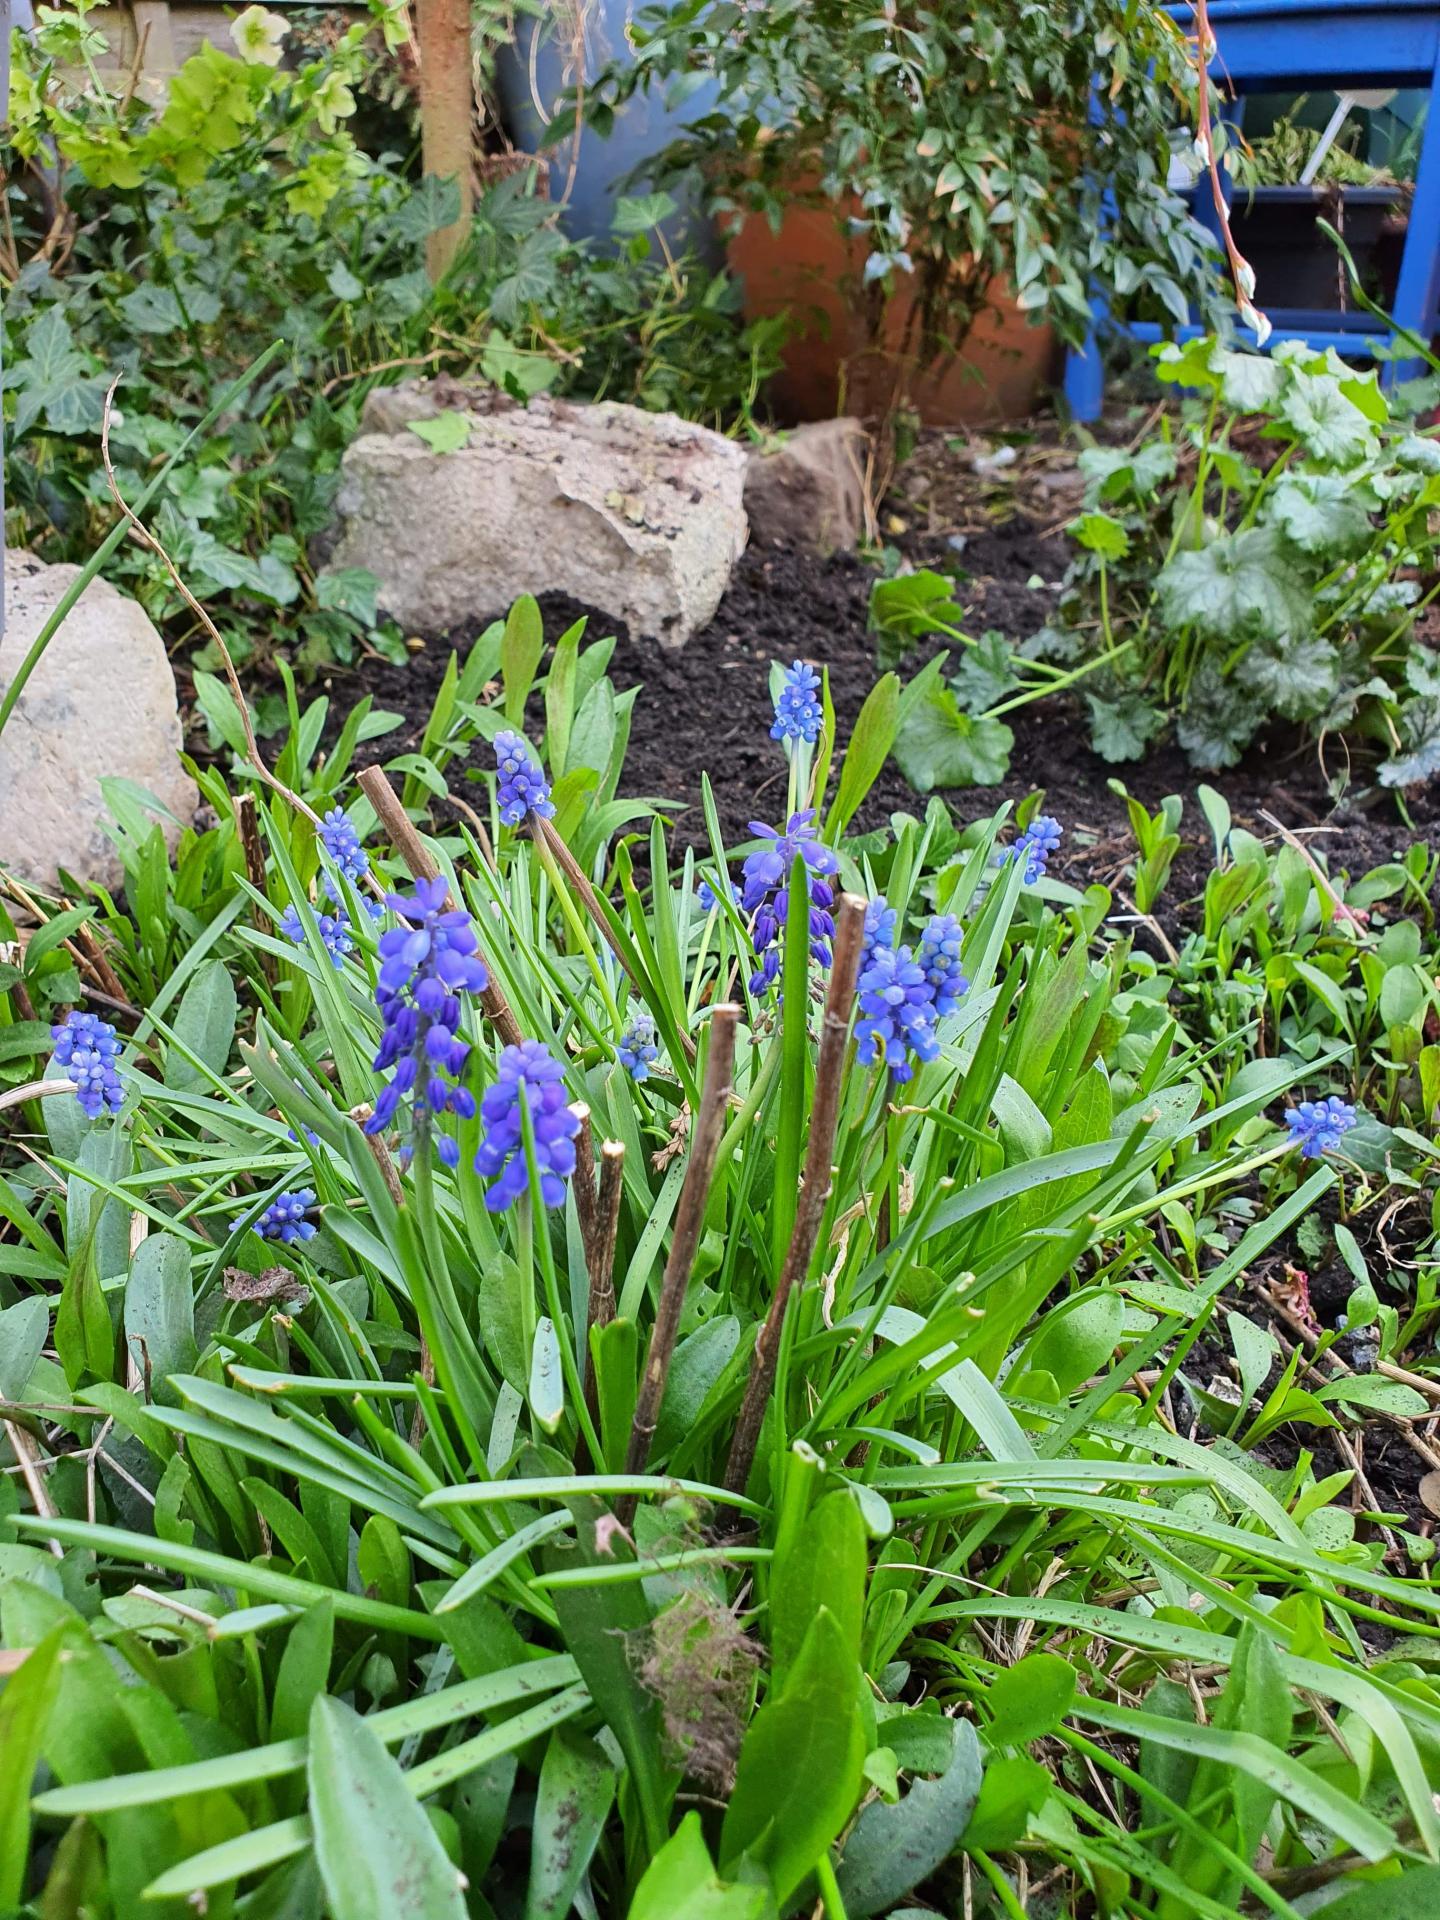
x=1264, y=553
x=172, y=247
x=664, y=1398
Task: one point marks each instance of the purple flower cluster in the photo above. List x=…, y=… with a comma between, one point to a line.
x=1318, y=1126
x=284, y=1218
x=334, y=928
x=1034, y=846
x=708, y=898
x=637, y=1050
x=425, y=965
x=902, y=994
x=342, y=843
x=530, y=1079
x=797, y=706
x=523, y=789
x=89, y=1049
x=765, y=896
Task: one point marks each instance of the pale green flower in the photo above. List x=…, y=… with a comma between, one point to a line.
x=258, y=35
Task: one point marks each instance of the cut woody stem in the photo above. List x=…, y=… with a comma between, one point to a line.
x=689, y=1219
x=376, y=787
x=600, y=1260
x=810, y=1211
x=248, y=827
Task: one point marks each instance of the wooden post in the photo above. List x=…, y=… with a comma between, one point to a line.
x=447, y=108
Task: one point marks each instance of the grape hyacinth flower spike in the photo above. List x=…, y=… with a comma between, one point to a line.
x=938, y=956
x=284, y=1218
x=342, y=843
x=426, y=964
x=1034, y=846
x=879, y=927
x=523, y=790
x=1318, y=1126
x=798, y=716
x=530, y=1079
x=89, y=1050
x=897, y=1012
x=637, y=1050
x=334, y=930
x=765, y=896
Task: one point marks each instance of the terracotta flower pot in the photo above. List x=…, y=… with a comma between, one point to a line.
x=813, y=268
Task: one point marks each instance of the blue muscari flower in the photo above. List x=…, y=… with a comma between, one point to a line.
x=797, y=709
x=523, y=789
x=637, y=1050
x=89, y=1049
x=342, y=843
x=897, y=1012
x=708, y=898
x=425, y=965
x=335, y=935
x=938, y=956
x=529, y=1073
x=284, y=1218
x=1035, y=845
x=765, y=898
x=879, y=927
x=1318, y=1126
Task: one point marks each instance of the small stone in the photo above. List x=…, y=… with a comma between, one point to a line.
x=100, y=704
x=638, y=514
x=808, y=489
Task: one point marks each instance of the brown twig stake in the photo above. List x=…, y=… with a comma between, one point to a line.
x=600, y=1257
x=810, y=1210
x=689, y=1219
x=375, y=785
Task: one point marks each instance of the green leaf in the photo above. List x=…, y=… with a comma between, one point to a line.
x=351, y=590
x=160, y=1313
x=23, y=1328
x=1403, y=1896
x=1014, y=1787
x=681, y=1883
x=801, y=1766
x=378, y=1854
x=1123, y=728
x=152, y=309
x=1385, y=1396
x=865, y=756
x=1219, y=720
x=638, y=213
x=25, y=1706
x=1328, y=424
x=1238, y=586
x=547, y=1378
x=1101, y=535
x=304, y=1670
x=204, y=1025
x=823, y=1566
x=1298, y=677
x=520, y=653
x=577, y=1785
x=444, y=432
x=1029, y=1699
x=894, y=1848
x=1249, y=382
x=1322, y=513
x=1113, y=472
x=939, y=746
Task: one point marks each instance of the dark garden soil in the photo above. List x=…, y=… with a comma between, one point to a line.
x=705, y=709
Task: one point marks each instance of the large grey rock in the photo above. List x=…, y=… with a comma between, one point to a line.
x=100, y=703
x=638, y=514
x=808, y=489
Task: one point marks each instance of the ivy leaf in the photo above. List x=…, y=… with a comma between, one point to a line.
x=1328, y=424
x=639, y=213
x=1321, y=513
x=351, y=590
x=939, y=746
x=152, y=309
x=50, y=355
x=1297, y=677
x=535, y=277
x=1219, y=720
x=1241, y=584
x=1101, y=535
x=77, y=407
x=445, y=433
x=343, y=284
x=1123, y=728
